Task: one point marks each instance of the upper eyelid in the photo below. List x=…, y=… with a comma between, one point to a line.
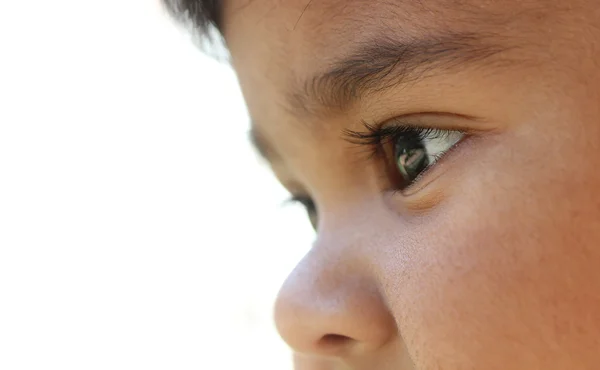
x=419, y=121
x=375, y=133
x=465, y=123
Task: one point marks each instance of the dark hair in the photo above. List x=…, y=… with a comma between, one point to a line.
x=204, y=15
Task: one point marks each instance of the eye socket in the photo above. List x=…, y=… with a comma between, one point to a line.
x=415, y=152
x=412, y=151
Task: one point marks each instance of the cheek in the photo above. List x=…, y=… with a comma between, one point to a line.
x=508, y=271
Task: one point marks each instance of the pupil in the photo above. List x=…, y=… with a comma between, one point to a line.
x=411, y=159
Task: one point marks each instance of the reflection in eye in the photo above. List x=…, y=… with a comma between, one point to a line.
x=416, y=151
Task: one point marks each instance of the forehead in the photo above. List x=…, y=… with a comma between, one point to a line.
x=286, y=39
x=296, y=31
x=279, y=45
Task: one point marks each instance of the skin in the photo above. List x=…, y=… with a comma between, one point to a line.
x=490, y=261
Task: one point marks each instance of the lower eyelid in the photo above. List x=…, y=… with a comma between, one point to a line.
x=425, y=201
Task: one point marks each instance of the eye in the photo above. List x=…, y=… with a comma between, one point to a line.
x=309, y=206
x=410, y=150
x=415, y=151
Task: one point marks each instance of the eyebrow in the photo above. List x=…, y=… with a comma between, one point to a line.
x=382, y=63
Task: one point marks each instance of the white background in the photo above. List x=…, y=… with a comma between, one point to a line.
x=138, y=230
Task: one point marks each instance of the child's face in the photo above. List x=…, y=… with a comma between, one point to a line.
x=472, y=243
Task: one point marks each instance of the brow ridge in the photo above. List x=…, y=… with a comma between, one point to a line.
x=383, y=63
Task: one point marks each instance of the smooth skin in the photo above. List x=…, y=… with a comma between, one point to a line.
x=491, y=260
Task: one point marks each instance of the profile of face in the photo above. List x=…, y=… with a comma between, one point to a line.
x=447, y=154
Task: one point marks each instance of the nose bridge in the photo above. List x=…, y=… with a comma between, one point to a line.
x=331, y=303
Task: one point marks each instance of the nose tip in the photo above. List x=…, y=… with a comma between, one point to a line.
x=332, y=309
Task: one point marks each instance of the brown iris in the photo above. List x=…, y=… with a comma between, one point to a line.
x=411, y=159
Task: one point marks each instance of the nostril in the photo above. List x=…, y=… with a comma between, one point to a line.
x=334, y=341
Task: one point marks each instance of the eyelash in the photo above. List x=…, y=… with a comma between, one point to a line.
x=304, y=201
x=376, y=137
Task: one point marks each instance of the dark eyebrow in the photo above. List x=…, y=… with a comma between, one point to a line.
x=382, y=63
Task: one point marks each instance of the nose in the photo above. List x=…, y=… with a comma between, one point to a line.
x=331, y=305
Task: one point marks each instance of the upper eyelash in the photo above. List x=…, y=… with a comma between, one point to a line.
x=376, y=136
x=304, y=200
